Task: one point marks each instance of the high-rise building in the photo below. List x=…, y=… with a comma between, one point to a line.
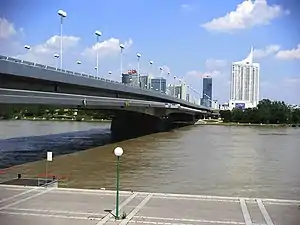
x=244, y=90
x=159, y=84
x=178, y=91
x=130, y=78
x=145, y=81
x=206, y=99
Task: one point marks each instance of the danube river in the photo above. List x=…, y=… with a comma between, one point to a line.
x=201, y=159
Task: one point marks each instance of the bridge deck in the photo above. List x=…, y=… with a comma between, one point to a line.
x=36, y=205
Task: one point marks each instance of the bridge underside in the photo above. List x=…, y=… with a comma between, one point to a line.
x=131, y=122
x=127, y=124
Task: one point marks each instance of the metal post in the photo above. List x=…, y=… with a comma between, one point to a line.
x=97, y=63
x=118, y=183
x=121, y=67
x=160, y=84
x=139, y=72
x=61, y=42
x=46, y=172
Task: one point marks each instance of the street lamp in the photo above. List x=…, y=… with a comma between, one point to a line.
x=78, y=62
x=57, y=57
x=118, y=152
x=150, y=65
x=98, y=34
x=62, y=15
x=121, y=66
x=161, y=71
x=150, y=70
x=138, y=55
x=27, y=47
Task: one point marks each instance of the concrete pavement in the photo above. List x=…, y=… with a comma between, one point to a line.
x=39, y=205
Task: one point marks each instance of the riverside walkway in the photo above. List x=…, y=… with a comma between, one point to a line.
x=45, y=205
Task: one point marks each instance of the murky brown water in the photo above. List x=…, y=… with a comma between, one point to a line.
x=212, y=160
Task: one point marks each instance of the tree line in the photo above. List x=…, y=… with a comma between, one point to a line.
x=47, y=112
x=266, y=112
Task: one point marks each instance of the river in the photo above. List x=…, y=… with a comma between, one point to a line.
x=201, y=159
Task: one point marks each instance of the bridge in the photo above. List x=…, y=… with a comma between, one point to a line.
x=135, y=111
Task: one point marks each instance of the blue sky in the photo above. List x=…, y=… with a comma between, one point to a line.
x=189, y=38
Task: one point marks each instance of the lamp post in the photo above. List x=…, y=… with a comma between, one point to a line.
x=57, y=57
x=161, y=71
x=150, y=71
x=150, y=66
x=27, y=47
x=121, y=58
x=175, y=86
x=138, y=55
x=62, y=15
x=98, y=34
x=188, y=91
x=118, y=152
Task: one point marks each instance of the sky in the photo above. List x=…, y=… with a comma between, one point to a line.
x=188, y=38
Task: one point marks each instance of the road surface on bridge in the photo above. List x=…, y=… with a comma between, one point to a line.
x=39, y=205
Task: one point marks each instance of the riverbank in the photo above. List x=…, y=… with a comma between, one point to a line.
x=58, y=119
x=220, y=123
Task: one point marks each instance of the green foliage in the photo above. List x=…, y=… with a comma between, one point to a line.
x=48, y=112
x=266, y=112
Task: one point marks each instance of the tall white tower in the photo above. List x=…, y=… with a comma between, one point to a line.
x=244, y=89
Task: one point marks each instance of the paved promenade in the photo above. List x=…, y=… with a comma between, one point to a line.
x=39, y=205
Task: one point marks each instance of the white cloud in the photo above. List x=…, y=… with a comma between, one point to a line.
x=186, y=7
x=214, y=68
x=212, y=64
x=106, y=48
x=7, y=29
x=43, y=53
x=292, y=81
x=199, y=74
x=246, y=15
x=289, y=54
x=52, y=45
x=268, y=50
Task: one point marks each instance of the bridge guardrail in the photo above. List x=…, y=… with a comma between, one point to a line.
x=69, y=72
x=42, y=66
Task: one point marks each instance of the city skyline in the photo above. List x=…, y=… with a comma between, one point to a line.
x=191, y=54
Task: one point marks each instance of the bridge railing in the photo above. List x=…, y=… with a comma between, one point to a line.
x=69, y=72
x=42, y=66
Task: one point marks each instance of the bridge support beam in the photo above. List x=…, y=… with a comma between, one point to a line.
x=131, y=125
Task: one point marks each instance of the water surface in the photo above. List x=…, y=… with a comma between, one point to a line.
x=202, y=159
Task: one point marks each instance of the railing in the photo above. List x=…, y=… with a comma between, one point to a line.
x=42, y=66
x=45, y=67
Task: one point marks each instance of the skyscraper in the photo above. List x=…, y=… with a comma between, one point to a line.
x=159, y=84
x=207, y=92
x=244, y=89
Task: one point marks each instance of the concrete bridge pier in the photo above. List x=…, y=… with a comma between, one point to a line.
x=131, y=125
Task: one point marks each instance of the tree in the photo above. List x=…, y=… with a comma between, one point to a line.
x=266, y=112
